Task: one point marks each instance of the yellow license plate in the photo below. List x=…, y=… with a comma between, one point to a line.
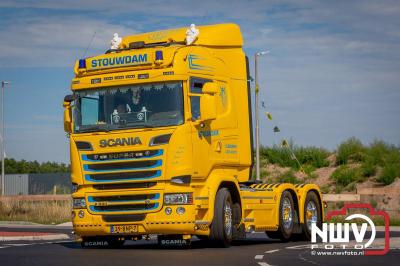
x=123, y=229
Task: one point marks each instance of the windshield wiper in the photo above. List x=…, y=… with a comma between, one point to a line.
x=132, y=125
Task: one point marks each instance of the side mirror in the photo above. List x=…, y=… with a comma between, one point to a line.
x=68, y=99
x=67, y=113
x=67, y=120
x=208, y=107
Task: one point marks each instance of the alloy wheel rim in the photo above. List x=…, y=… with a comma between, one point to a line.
x=311, y=214
x=228, y=219
x=287, y=214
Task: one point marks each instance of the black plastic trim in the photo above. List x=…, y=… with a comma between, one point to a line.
x=250, y=117
x=84, y=146
x=124, y=175
x=124, y=186
x=123, y=218
x=122, y=165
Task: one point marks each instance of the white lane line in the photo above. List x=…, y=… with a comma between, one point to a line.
x=299, y=247
x=18, y=245
x=259, y=257
x=271, y=251
x=264, y=264
x=56, y=242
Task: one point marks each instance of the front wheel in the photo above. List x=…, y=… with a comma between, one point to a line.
x=222, y=225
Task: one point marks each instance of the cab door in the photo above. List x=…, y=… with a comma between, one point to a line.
x=206, y=138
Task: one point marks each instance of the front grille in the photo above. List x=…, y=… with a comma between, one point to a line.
x=123, y=176
x=122, y=155
x=124, y=207
x=124, y=198
x=124, y=218
x=124, y=186
x=123, y=165
x=128, y=203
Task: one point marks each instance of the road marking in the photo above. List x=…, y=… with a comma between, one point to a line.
x=271, y=251
x=299, y=247
x=18, y=245
x=300, y=255
x=259, y=257
x=264, y=264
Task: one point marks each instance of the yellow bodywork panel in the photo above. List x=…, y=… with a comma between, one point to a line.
x=222, y=35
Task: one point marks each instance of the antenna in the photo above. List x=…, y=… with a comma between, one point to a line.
x=90, y=43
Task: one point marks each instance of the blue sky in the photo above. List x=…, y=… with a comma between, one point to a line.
x=332, y=73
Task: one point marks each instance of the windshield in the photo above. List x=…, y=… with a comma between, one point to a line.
x=132, y=106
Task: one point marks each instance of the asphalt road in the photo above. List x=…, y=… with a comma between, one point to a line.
x=256, y=250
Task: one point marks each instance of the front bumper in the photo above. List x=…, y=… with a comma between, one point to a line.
x=153, y=223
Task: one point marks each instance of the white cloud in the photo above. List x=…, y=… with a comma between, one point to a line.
x=55, y=40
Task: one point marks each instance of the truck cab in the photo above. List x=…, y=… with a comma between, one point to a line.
x=161, y=142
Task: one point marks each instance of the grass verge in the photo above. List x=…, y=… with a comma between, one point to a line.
x=43, y=212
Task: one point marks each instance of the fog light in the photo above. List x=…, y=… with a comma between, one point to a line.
x=81, y=214
x=168, y=211
x=180, y=210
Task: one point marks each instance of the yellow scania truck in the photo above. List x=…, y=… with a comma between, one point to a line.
x=161, y=144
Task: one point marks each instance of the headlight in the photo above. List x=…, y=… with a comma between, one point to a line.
x=78, y=203
x=179, y=198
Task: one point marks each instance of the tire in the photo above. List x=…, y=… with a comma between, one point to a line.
x=312, y=204
x=238, y=232
x=286, y=219
x=221, y=230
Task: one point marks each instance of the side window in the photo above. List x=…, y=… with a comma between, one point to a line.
x=89, y=107
x=196, y=86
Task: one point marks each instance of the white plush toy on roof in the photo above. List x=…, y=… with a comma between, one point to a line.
x=116, y=41
x=191, y=34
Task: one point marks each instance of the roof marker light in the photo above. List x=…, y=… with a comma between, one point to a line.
x=159, y=57
x=82, y=63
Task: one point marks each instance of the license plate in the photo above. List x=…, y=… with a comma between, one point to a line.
x=123, y=229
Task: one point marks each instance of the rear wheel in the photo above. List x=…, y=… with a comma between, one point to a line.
x=286, y=218
x=312, y=213
x=222, y=225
